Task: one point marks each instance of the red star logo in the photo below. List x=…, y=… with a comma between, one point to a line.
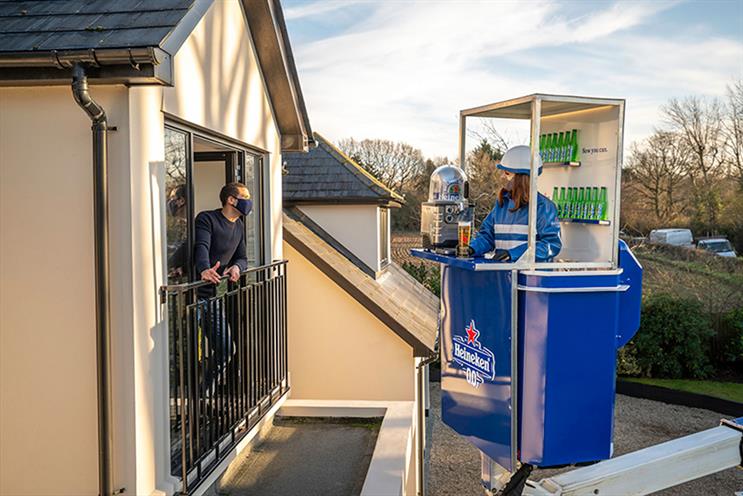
x=471, y=333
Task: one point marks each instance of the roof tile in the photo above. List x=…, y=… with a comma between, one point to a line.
x=325, y=174
x=85, y=24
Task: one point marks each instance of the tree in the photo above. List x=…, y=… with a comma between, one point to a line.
x=395, y=164
x=697, y=122
x=491, y=140
x=482, y=174
x=732, y=127
x=408, y=217
x=658, y=169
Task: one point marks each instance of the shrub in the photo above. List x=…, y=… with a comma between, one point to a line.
x=430, y=277
x=674, y=338
x=627, y=361
x=730, y=337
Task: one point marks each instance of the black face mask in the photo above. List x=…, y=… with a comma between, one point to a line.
x=244, y=206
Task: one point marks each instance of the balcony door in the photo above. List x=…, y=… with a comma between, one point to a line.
x=196, y=168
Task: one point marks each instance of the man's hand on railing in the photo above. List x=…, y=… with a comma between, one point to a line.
x=211, y=275
x=233, y=273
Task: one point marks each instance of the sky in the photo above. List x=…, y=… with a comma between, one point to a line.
x=403, y=69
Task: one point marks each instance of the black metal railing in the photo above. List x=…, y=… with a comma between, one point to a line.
x=228, y=364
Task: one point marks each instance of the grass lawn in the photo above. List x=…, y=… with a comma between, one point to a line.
x=732, y=391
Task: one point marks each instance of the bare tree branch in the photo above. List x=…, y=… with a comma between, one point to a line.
x=395, y=164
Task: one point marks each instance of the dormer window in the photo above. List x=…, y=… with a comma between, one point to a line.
x=384, y=236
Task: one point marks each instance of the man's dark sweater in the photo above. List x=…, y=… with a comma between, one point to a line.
x=219, y=240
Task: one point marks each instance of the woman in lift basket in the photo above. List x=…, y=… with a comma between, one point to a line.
x=506, y=228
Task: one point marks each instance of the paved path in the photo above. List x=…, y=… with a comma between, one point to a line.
x=455, y=464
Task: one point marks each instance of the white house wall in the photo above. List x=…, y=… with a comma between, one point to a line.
x=354, y=226
x=48, y=426
x=338, y=350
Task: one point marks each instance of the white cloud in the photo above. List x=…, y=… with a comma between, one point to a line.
x=406, y=70
x=317, y=8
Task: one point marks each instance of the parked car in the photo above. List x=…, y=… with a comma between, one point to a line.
x=675, y=237
x=719, y=246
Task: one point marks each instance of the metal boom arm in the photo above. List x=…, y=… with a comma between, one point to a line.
x=654, y=468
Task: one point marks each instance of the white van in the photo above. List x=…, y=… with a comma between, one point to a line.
x=675, y=237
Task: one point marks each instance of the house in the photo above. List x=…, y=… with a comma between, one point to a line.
x=110, y=379
x=360, y=327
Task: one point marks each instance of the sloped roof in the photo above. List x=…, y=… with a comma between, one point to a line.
x=134, y=41
x=327, y=175
x=85, y=24
x=395, y=298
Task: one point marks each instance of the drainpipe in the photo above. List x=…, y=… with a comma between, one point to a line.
x=103, y=328
x=422, y=421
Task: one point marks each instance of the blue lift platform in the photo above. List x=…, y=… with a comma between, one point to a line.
x=528, y=348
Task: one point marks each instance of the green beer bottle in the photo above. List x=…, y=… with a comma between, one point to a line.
x=564, y=155
x=603, y=204
x=590, y=203
x=574, y=148
x=571, y=204
x=561, y=205
x=551, y=147
x=594, y=203
x=580, y=214
x=541, y=146
x=555, y=198
x=558, y=148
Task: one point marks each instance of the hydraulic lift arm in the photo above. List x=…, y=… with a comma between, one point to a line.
x=654, y=468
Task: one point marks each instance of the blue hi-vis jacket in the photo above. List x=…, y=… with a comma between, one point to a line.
x=505, y=230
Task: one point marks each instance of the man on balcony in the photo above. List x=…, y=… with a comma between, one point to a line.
x=219, y=251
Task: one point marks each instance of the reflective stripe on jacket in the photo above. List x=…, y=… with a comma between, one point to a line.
x=506, y=230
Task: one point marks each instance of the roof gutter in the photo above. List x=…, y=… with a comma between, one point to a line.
x=65, y=59
x=107, y=65
x=102, y=280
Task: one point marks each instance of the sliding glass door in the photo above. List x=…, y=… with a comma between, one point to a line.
x=196, y=168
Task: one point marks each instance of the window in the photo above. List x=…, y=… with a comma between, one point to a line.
x=177, y=197
x=384, y=236
x=196, y=168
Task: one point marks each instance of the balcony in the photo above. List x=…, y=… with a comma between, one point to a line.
x=228, y=365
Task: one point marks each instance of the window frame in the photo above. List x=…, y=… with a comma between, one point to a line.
x=384, y=237
x=242, y=150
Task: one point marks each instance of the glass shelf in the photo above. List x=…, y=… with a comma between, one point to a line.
x=587, y=221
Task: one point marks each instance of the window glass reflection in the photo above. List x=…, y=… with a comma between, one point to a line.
x=250, y=179
x=176, y=217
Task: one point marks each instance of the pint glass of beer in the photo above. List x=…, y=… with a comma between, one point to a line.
x=465, y=236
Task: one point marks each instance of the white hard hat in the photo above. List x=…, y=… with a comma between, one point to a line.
x=517, y=160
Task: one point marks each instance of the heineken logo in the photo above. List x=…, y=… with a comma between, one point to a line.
x=453, y=192
x=594, y=150
x=477, y=361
